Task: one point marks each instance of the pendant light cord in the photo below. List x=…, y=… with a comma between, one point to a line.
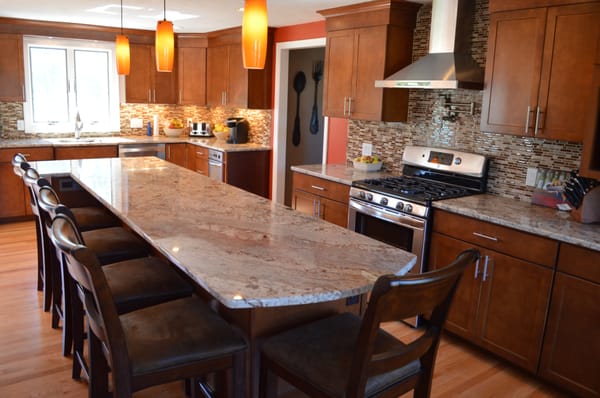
x=121, y=17
x=165, y=10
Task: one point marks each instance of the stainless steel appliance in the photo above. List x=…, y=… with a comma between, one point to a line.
x=200, y=129
x=142, y=149
x=215, y=164
x=238, y=130
x=397, y=210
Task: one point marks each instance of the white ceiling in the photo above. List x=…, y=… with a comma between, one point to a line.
x=188, y=16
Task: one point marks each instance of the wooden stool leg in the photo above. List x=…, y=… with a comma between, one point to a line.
x=77, y=322
x=67, y=297
x=98, y=386
x=56, y=286
x=40, y=268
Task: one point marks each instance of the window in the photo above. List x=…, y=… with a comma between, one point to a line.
x=66, y=76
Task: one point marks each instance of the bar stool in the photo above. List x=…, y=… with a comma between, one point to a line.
x=113, y=244
x=176, y=340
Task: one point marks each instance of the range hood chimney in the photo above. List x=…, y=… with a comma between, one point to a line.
x=449, y=64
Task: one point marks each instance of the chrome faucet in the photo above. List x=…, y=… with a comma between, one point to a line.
x=78, y=126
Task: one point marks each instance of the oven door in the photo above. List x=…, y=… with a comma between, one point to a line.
x=392, y=227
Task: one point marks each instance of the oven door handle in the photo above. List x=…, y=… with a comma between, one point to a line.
x=395, y=217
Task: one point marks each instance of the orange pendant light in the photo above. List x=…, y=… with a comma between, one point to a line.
x=164, y=45
x=254, y=34
x=122, y=50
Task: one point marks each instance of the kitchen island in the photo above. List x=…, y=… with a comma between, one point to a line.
x=267, y=266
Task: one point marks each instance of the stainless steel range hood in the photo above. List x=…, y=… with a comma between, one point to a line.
x=448, y=64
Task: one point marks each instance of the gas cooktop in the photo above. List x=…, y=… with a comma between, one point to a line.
x=412, y=188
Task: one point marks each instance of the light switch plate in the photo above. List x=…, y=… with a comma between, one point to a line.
x=21, y=125
x=531, y=176
x=367, y=149
x=136, y=123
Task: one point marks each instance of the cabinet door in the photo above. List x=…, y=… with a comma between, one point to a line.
x=12, y=195
x=138, y=84
x=164, y=87
x=177, y=153
x=513, y=305
x=512, y=74
x=571, y=346
x=305, y=202
x=334, y=212
x=567, y=72
x=339, y=72
x=366, y=102
x=11, y=68
x=217, y=73
x=237, y=84
x=462, y=316
x=192, y=75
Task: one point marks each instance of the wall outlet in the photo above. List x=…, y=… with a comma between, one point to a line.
x=531, y=176
x=136, y=123
x=21, y=125
x=189, y=122
x=367, y=149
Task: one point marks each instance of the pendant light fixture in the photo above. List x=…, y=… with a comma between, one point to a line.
x=164, y=45
x=254, y=34
x=122, y=50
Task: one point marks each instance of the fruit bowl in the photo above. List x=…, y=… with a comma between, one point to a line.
x=367, y=166
x=169, y=132
x=221, y=135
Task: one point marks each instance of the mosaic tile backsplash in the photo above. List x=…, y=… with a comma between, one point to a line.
x=509, y=155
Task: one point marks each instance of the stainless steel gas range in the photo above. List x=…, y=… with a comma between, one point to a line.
x=398, y=210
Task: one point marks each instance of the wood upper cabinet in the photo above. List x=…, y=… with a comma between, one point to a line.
x=191, y=71
x=571, y=346
x=12, y=86
x=320, y=198
x=590, y=159
x=144, y=84
x=177, y=153
x=228, y=82
x=86, y=152
x=501, y=302
x=539, y=70
x=364, y=44
x=14, y=195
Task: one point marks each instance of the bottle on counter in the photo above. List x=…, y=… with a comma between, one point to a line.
x=149, y=129
x=156, y=129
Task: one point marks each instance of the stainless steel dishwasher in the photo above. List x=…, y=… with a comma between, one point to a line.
x=215, y=164
x=142, y=149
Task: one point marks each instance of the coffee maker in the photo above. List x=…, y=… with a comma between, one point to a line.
x=238, y=130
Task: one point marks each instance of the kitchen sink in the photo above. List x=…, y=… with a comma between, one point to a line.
x=87, y=140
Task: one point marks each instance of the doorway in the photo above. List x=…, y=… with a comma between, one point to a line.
x=291, y=58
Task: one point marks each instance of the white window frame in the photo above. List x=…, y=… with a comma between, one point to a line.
x=109, y=126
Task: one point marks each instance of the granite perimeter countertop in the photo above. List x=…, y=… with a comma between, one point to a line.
x=243, y=249
x=523, y=216
x=338, y=172
x=212, y=143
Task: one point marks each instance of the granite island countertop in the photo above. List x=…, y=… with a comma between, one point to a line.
x=212, y=142
x=243, y=249
x=508, y=212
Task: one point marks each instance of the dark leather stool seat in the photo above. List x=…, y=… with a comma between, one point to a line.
x=346, y=356
x=179, y=339
x=93, y=217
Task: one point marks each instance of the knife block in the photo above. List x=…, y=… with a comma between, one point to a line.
x=589, y=211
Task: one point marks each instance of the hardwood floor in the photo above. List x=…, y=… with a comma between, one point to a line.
x=31, y=364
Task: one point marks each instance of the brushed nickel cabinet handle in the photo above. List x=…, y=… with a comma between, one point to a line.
x=149, y=95
x=537, y=120
x=484, y=236
x=317, y=187
x=527, y=120
x=485, y=268
x=349, y=106
x=476, y=268
x=345, y=99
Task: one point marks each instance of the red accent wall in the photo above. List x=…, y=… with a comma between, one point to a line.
x=337, y=141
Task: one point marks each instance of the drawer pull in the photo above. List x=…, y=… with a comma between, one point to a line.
x=26, y=154
x=317, y=187
x=484, y=236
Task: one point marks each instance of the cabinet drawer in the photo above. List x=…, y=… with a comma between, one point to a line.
x=579, y=261
x=38, y=153
x=322, y=187
x=502, y=239
x=82, y=152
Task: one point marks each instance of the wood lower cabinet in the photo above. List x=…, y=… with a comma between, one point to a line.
x=321, y=198
x=571, y=351
x=177, y=153
x=197, y=159
x=248, y=170
x=12, y=85
x=144, y=84
x=542, y=94
x=14, y=195
x=86, y=152
x=365, y=44
x=501, y=302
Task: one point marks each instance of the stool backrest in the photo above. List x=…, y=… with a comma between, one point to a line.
x=85, y=269
x=394, y=298
x=19, y=163
x=30, y=177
